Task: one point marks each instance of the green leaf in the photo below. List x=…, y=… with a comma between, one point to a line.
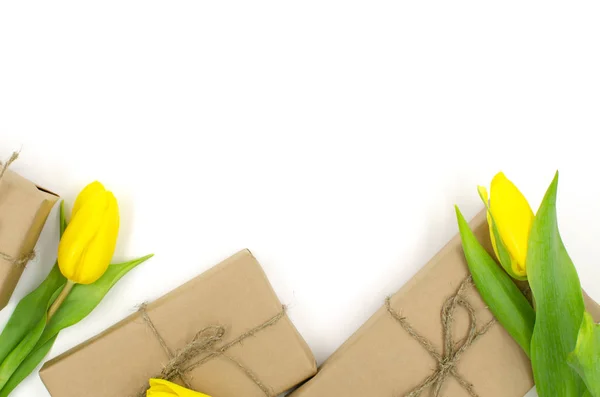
x=559, y=304
x=503, y=255
x=14, y=359
x=585, y=359
x=62, y=219
x=32, y=308
x=20, y=352
x=27, y=322
x=29, y=311
x=503, y=297
x=84, y=298
x=27, y=367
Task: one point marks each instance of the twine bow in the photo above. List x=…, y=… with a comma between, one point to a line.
x=21, y=261
x=446, y=361
x=203, y=348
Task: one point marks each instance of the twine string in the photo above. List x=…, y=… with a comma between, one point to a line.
x=449, y=358
x=24, y=259
x=203, y=348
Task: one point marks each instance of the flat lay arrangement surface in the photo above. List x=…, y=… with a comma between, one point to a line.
x=216, y=200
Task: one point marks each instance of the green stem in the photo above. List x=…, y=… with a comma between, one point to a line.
x=60, y=299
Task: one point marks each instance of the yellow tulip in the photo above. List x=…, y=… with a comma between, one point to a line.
x=163, y=388
x=88, y=244
x=510, y=212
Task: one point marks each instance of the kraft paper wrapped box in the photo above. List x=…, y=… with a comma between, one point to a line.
x=24, y=208
x=247, y=346
x=385, y=359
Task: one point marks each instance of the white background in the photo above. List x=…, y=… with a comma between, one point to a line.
x=330, y=138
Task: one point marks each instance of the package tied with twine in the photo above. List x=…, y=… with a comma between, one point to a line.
x=224, y=334
x=24, y=208
x=435, y=337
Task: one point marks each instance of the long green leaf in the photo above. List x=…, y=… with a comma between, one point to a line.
x=505, y=300
x=84, y=298
x=27, y=367
x=559, y=304
x=14, y=359
x=29, y=311
x=585, y=359
x=20, y=352
x=31, y=308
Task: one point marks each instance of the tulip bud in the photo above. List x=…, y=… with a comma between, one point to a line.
x=163, y=388
x=510, y=218
x=88, y=243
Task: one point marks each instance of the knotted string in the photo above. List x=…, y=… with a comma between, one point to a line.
x=22, y=261
x=203, y=349
x=447, y=361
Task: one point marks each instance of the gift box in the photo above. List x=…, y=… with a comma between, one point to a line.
x=433, y=337
x=24, y=208
x=224, y=333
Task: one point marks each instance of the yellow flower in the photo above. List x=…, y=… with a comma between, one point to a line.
x=88, y=244
x=163, y=388
x=510, y=214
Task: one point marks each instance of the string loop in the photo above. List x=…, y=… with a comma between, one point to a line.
x=203, y=348
x=449, y=358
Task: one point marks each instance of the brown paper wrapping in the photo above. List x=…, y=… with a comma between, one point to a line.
x=235, y=294
x=382, y=360
x=24, y=208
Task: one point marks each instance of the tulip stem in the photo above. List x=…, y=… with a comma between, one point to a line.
x=61, y=298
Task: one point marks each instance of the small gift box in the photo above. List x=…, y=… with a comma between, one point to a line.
x=434, y=337
x=224, y=333
x=24, y=208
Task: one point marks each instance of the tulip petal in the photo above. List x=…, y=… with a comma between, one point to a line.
x=164, y=388
x=154, y=393
x=504, y=257
x=513, y=218
x=79, y=233
x=91, y=190
x=95, y=259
